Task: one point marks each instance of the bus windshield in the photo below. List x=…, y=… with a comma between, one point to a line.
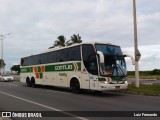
x=114, y=63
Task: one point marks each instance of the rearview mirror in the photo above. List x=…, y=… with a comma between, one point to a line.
x=133, y=60
x=101, y=57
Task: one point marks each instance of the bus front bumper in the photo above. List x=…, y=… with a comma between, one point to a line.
x=105, y=87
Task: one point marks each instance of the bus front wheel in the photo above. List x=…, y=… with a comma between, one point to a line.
x=75, y=86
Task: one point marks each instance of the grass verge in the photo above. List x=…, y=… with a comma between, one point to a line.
x=146, y=74
x=155, y=77
x=144, y=89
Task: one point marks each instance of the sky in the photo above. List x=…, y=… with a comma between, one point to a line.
x=35, y=25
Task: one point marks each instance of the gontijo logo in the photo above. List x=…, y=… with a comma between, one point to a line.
x=63, y=67
x=66, y=67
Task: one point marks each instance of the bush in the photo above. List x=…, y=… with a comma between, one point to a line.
x=156, y=72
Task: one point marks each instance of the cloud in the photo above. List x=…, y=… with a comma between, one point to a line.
x=148, y=25
x=149, y=57
x=36, y=24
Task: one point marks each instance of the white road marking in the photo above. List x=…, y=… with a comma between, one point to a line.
x=48, y=107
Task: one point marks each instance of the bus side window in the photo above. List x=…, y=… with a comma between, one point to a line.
x=27, y=61
x=89, y=59
x=62, y=55
x=35, y=60
x=22, y=61
x=59, y=59
x=52, y=57
x=43, y=58
x=74, y=54
x=65, y=55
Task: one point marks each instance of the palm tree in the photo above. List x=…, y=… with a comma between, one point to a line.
x=61, y=41
x=76, y=39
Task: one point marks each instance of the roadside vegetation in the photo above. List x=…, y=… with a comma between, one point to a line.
x=154, y=74
x=144, y=89
x=15, y=68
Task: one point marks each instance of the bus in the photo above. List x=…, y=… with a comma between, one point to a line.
x=91, y=66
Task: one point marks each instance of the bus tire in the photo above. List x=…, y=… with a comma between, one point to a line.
x=28, y=82
x=75, y=86
x=33, y=84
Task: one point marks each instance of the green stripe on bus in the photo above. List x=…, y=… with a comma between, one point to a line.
x=39, y=69
x=26, y=69
x=119, y=78
x=79, y=66
x=101, y=79
x=58, y=67
x=41, y=75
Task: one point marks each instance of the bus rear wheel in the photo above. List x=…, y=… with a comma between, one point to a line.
x=75, y=86
x=28, y=82
x=32, y=82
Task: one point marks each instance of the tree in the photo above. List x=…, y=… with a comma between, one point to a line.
x=75, y=39
x=60, y=42
x=15, y=68
x=2, y=63
x=156, y=72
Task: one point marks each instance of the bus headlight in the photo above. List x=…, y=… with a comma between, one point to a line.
x=104, y=82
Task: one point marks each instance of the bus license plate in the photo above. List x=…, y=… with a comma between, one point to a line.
x=117, y=87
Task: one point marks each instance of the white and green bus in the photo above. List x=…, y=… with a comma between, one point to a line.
x=91, y=66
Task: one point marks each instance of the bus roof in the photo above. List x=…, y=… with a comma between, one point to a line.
x=77, y=44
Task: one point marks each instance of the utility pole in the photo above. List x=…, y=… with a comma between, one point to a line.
x=1, y=38
x=137, y=53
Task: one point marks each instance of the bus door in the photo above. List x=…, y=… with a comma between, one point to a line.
x=90, y=73
x=85, y=79
x=89, y=81
x=94, y=82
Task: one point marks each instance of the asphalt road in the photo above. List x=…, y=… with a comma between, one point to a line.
x=16, y=96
